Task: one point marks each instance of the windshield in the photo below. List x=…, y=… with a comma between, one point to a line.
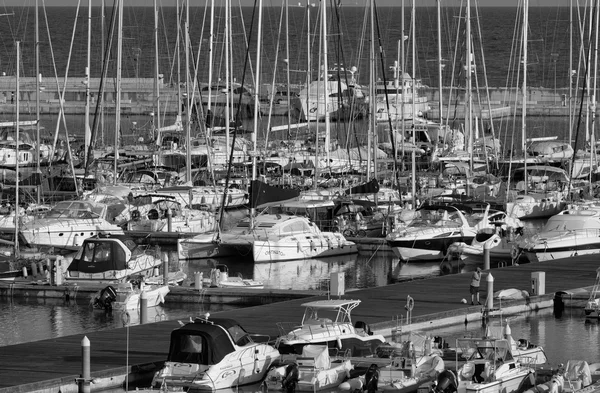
x=437, y=218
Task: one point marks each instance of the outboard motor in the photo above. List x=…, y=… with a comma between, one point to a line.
x=289, y=382
x=371, y=378
x=107, y=296
x=446, y=382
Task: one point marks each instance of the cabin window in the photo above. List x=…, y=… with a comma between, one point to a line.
x=239, y=335
x=188, y=349
x=88, y=252
x=102, y=252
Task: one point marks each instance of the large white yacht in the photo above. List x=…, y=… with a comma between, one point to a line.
x=429, y=235
x=268, y=238
x=574, y=231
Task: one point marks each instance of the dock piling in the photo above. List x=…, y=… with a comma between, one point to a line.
x=486, y=256
x=84, y=380
x=489, y=301
x=143, y=307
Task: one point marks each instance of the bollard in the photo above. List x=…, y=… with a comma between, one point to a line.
x=489, y=302
x=486, y=256
x=84, y=380
x=59, y=271
x=166, y=268
x=198, y=280
x=169, y=220
x=143, y=308
x=33, y=269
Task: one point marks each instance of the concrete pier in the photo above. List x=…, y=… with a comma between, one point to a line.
x=437, y=302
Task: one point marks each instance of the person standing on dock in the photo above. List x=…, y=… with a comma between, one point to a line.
x=474, y=288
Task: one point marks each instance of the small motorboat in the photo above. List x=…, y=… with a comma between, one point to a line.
x=124, y=296
x=575, y=376
x=312, y=371
x=328, y=322
x=220, y=278
x=403, y=374
x=110, y=260
x=491, y=367
x=214, y=354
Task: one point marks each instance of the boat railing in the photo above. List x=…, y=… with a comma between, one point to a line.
x=287, y=328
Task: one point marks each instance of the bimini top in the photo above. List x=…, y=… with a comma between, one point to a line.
x=340, y=307
x=206, y=342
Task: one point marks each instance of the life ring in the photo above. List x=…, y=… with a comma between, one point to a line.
x=125, y=318
x=514, y=253
x=410, y=303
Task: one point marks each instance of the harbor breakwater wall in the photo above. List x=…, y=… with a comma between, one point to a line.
x=138, y=98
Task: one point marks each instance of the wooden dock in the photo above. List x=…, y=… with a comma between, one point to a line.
x=43, y=363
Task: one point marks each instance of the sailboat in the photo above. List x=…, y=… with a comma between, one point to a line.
x=542, y=202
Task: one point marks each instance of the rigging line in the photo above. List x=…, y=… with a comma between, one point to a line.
x=61, y=96
x=283, y=7
x=496, y=153
x=387, y=99
x=237, y=118
x=99, y=102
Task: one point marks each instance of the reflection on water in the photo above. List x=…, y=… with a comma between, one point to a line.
x=26, y=320
x=572, y=336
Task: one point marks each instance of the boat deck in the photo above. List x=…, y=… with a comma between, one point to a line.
x=60, y=358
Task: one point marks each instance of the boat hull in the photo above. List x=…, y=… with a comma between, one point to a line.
x=428, y=249
x=286, y=250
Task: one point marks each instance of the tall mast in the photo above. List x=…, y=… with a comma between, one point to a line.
x=570, y=71
x=256, y=99
x=118, y=88
x=593, y=99
x=177, y=56
x=88, y=131
x=37, y=100
x=101, y=97
x=440, y=65
x=156, y=67
x=188, y=152
x=228, y=88
x=401, y=77
x=210, y=61
x=372, y=94
x=326, y=90
x=469, y=100
x=524, y=91
x=18, y=92
x=414, y=111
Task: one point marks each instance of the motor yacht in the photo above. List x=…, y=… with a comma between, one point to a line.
x=431, y=233
x=212, y=354
x=329, y=322
x=574, y=231
x=268, y=238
